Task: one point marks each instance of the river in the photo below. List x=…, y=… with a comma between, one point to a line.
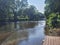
x=25, y=32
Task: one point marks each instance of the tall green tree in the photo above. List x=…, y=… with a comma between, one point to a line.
x=4, y=8
x=10, y=8
x=52, y=8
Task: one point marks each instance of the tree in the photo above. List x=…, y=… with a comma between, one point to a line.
x=31, y=13
x=52, y=6
x=9, y=8
x=5, y=9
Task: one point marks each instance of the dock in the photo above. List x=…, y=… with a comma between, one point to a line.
x=51, y=40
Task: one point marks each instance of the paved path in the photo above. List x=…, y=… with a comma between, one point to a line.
x=51, y=40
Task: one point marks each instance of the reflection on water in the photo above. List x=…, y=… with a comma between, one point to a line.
x=27, y=33
x=25, y=25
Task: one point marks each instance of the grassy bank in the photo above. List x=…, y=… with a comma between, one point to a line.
x=52, y=31
x=4, y=35
x=13, y=42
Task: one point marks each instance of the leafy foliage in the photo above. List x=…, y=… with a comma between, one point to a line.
x=52, y=12
x=13, y=10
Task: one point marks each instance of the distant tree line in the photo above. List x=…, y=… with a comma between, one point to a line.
x=13, y=10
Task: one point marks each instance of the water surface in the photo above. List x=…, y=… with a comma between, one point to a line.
x=27, y=33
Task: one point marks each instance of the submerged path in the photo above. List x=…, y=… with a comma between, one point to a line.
x=51, y=40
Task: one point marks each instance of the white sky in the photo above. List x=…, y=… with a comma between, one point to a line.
x=39, y=4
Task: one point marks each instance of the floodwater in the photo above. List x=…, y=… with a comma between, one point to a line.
x=25, y=32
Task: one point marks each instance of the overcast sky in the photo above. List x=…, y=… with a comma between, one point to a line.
x=39, y=4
